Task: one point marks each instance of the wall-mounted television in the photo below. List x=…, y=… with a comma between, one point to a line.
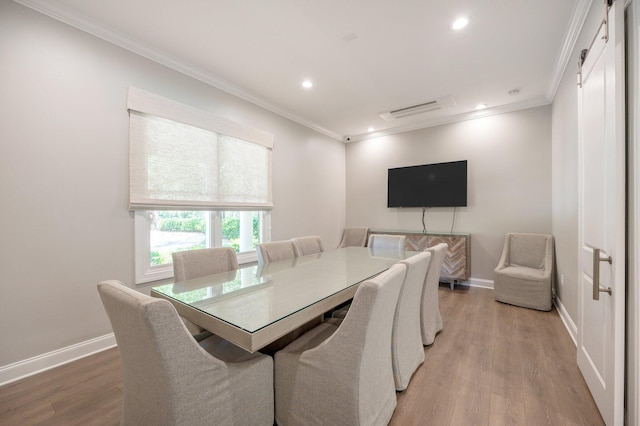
x=428, y=185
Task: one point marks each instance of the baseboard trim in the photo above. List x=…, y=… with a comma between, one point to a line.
x=472, y=282
x=572, y=328
x=28, y=367
x=479, y=282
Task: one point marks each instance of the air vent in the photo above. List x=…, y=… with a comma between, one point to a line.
x=434, y=105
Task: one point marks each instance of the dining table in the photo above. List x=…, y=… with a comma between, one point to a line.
x=257, y=304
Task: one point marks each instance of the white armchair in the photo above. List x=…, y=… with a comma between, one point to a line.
x=524, y=276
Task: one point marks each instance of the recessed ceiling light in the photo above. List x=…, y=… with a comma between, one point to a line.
x=481, y=106
x=460, y=23
x=370, y=129
x=307, y=84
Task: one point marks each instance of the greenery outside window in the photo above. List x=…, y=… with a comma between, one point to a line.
x=159, y=233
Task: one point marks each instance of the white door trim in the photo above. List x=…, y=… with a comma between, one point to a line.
x=632, y=415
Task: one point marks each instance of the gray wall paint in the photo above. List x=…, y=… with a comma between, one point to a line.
x=565, y=191
x=64, y=176
x=509, y=180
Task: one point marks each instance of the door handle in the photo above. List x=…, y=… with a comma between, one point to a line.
x=596, y=274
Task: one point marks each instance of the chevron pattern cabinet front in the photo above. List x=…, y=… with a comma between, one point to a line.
x=457, y=263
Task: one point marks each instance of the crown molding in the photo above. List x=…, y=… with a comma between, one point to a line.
x=578, y=17
x=81, y=22
x=451, y=119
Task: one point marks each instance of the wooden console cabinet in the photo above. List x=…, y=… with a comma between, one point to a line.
x=457, y=263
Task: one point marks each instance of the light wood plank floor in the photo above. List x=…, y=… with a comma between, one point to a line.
x=493, y=364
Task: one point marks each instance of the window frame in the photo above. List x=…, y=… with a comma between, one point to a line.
x=146, y=273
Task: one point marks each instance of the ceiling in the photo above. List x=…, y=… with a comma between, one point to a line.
x=364, y=57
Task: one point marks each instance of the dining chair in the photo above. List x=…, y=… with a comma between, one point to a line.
x=190, y=264
x=386, y=242
x=354, y=237
x=274, y=251
x=342, y=374
x=170, y=379
x=379, y=245
x=265, y=269
x=430, y=318
x=307, y=245
x=407, y=352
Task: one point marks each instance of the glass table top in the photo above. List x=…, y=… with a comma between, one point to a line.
x=254, y=297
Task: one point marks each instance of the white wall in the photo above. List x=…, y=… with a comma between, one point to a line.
x=509, y=180
x=64, y=224
x=565, y=192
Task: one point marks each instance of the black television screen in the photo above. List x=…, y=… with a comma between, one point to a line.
x=428, y=185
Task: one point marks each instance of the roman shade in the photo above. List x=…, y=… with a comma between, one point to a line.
x=183, y=158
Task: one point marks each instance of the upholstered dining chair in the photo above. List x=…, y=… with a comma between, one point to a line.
x=191, y=264
x=430, y=318
x=342, y=374
x=170, y=379
x=379, y=245
x=386, y=242
x=303, y=246
x=407, y=352
x=354, y=237
x=274, y=251
x=265, y=269
x=524, y=276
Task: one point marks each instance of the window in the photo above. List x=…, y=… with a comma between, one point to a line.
x=196, y=181
x=159, y=233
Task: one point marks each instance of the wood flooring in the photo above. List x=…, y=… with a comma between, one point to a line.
x=493, y=364
x=497, y=364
